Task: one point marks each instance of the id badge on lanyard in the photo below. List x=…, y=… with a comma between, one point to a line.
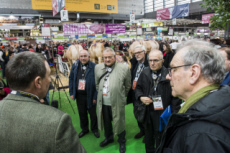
x=157, y=102
x=81, y=84
x=134, y=83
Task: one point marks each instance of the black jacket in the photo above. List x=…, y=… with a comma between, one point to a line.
x=145, y=87
x=134, y=66
x=167, y=59
x=204, y=128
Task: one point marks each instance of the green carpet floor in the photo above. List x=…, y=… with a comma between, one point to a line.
x=90, y=142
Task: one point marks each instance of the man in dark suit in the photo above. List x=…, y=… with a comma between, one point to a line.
x=26, y=124
x=138, y=63
x=82, y=88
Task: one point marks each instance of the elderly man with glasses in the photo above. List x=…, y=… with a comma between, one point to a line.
x=203, y=123
x=153, y=94
x=138, y=63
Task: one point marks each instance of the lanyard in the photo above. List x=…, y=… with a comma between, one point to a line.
x=25, y=94
x=139, y=70
x=84, y=68
x=156, y=81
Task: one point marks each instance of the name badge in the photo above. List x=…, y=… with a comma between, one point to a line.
x=157, y=103
x=105, y=90
x=81, y=84
x=134, y=83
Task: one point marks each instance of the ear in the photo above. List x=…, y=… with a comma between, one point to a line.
x=38, y=82
x=195, y=73
x=163, y=60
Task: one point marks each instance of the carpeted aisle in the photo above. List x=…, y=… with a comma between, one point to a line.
x=90, y=142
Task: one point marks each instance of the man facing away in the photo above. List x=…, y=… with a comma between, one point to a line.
x=82, y=88
x=26, y=124
x=113, y=82
x=203, y=123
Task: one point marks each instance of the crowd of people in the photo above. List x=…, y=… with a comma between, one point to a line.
x=179, y=94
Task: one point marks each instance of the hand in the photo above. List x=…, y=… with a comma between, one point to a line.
x=42, y=100
x=71, y=97
x=94, y=101
x=146, y=100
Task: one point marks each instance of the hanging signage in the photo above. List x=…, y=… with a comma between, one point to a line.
x=64, y=15
x=132, y=17
x=57, y=6
x=45, y=31
x=206, y=18
x=177, y=11
x=174, y=21
x=75, y=29
x=115, y=28
x=97, y=6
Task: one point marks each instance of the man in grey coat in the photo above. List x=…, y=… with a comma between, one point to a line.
x=26, y=124
x=113, y=81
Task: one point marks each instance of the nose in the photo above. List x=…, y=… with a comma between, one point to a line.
x=168, y=77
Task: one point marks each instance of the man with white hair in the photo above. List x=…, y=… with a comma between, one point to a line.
x=203, y=123
x=113, y=82
x=138, y=63
x=153, y=94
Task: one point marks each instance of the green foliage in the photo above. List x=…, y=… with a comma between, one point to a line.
x=222, y=10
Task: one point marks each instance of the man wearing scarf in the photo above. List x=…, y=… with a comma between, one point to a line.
x=203, y=123
x=153, y=94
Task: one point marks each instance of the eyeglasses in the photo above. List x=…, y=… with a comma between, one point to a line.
x=155, y=61
x=170, y=69
x=138, y=52
x=108, y=57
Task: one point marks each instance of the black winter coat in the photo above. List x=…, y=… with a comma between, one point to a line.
x=167, y=59
x=145, y=87
x=204, y=128
x=134, y=65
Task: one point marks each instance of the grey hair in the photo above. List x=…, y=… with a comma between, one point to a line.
x=204, y=54
x=154, y=50
x=107, y=49
x=140, y=46
x=84, y=50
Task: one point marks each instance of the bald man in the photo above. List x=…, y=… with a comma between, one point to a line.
x=153, y=93
x=82, y=88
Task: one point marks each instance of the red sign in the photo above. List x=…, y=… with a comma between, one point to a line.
x=163, y=14
x=55, y=7
x=45, y=25
x=10, y=38
x=206, y=18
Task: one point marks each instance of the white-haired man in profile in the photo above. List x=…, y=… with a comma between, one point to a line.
x=203, y=123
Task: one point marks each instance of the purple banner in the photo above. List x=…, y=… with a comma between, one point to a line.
x=76, y=29
x=115, y=28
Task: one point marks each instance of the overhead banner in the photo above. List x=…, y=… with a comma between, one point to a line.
x=57, y=6
x=206, y=18
x=76, y=29
x=97, y=6
x=115, y=28
x=177, y=11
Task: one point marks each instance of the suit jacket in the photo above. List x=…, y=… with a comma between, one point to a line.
x=26, y=125
x=90, y=82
